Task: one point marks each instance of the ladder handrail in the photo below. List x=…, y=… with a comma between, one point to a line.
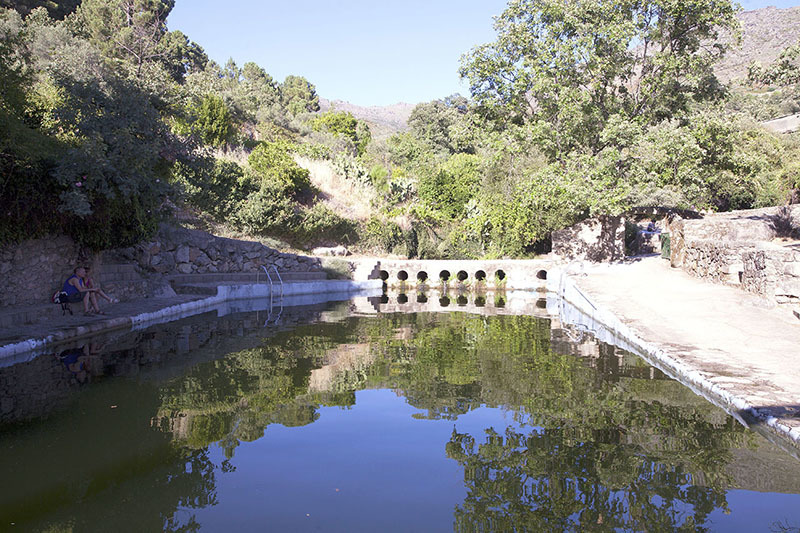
x=268, y=276
x=279, y=278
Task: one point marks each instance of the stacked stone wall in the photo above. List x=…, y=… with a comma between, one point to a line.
x=177, y=250
x=34, y=269
x=719, y=261
x=773, y=273
x=742, y=248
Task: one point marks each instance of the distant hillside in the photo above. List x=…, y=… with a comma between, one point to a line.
x=383, y=120
x=765, y=33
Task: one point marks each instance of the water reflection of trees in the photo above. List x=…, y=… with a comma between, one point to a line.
x=544, y=480
x=594, y=450
x=595, y=445
x=235, y=398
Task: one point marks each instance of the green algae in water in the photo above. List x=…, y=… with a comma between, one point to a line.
x=427, y=422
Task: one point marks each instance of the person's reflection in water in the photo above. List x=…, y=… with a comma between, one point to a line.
x=79, y=361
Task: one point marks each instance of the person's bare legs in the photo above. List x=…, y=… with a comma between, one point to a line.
x=108, y=298
x=86, y=302
x=93, y=300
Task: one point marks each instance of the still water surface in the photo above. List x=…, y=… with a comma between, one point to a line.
x=395, y=422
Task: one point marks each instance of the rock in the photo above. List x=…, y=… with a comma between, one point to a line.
x=337, y=251
x=598, y=239
x=182, y=255
x=184, y=268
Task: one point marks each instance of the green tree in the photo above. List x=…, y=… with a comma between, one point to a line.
x=298, y=95
x=345, y=124
x=272, y=162
x=57, y=9
x=443, y=123
x=129, y=30
x=213, y=121
x=180, y=56
x=569, y=68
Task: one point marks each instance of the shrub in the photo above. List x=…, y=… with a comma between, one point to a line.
x=452, y=186
x=383, y=234
x=267, y=211
x=273, y=163
x=213, y=121
x=321, y=225
x=216, y=187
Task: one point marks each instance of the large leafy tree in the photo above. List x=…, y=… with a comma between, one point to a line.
x=571, y=69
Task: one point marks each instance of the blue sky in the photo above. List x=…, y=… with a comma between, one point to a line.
x=368, y=52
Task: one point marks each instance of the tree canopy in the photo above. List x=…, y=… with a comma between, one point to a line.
x=572, y=70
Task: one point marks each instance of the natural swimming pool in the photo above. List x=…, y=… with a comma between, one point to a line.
x=327, y=419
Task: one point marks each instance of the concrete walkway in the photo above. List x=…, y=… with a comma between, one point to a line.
x=28, y=337
x=733, y=341
x=68, y=326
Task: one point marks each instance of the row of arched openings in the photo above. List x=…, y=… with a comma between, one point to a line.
x=461, y=276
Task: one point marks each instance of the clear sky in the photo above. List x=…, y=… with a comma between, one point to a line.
x=368, y=52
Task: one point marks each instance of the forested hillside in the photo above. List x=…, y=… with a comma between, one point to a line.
x=110, y=123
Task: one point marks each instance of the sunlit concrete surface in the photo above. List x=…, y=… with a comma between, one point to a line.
x=719, y=338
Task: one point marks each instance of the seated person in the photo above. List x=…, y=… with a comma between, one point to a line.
x=90, y=283
x=77, y=290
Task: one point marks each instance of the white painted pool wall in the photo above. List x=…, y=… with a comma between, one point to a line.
x=518, y=274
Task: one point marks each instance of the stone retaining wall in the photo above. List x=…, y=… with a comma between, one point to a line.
x=34, y=269
x=597, y=239
x=176, y=250
x=746, y=248
x=772, y=273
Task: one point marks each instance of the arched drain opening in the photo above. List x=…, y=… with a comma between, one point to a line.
x=500, y=275
x=462, y=300
x=462, y=275
x=444, y=275
x=384, y=275
x=402, y=299
x=480, y=301
x=402, y=275
x=444, y=301
x=542, y=274
x=384, y=299
x=499, y=301
x=422, y=276
x=421, y=298
x=480, y=275
x=541, y=303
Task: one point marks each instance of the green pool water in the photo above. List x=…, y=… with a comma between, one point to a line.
x=328, y=421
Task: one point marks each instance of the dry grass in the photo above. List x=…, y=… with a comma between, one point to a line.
x=339, y=194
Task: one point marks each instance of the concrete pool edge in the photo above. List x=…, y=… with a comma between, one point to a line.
x=566, y=288
x=225, y=293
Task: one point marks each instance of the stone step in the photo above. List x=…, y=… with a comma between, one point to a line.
x=244, y=277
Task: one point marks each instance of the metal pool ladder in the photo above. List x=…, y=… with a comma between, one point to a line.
x=271, y=293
